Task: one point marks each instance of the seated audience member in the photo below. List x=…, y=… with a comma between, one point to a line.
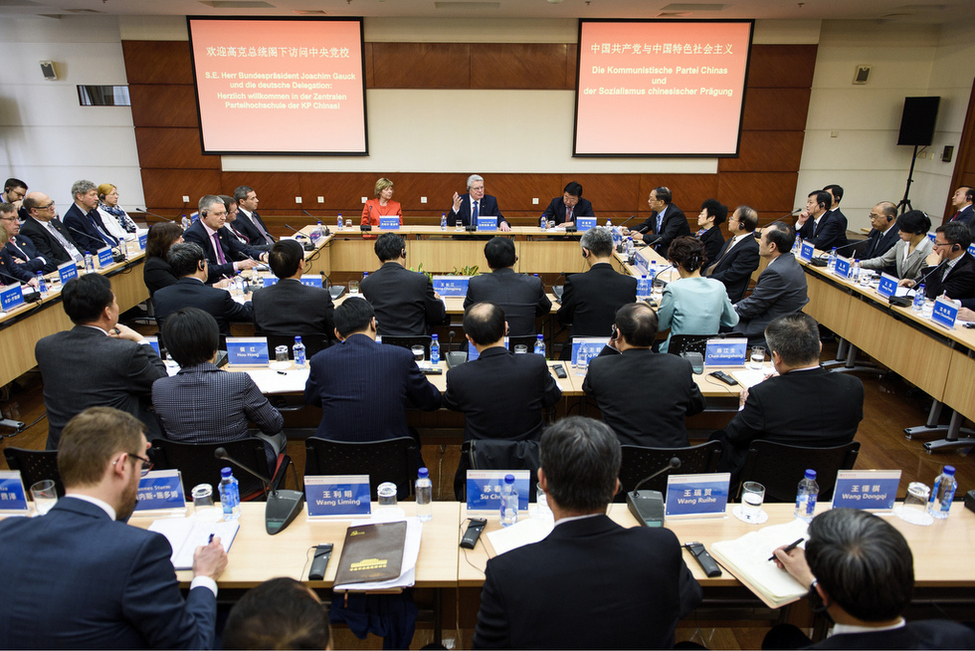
x=564, y=210
x=951, y=269
x=103, y=584
x=12, y=270
x=156, y=272
x=819, y=225
x=225, y=254
x=14, y=191
x=908, y=256
x=363, y=386
x=288, y=308
x=883, y=231
x=665, y=223
x=522, y=297
x=621, y=384
x=962, y=201
x=739, y=257
x=404, y=300
x=189, y=264
x=709, y=220
x=382, y=205
x=116, y=221
x=248, y=221
x=692, y=305
x=202, y=403
x=19, y=247
x=466, y=208
x=84, y=221
x=98, y=363
x=231, y=206
x=278, y=614
x=633, y=582
x=49, y=235
x=860, y=570
x=803, y=405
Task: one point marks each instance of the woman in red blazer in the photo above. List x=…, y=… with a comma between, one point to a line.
x=382, y=206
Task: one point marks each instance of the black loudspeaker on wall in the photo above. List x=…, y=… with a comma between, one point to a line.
x=917, y=121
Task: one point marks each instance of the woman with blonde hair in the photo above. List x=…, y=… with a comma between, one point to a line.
x=382, y=206
x=116, y=220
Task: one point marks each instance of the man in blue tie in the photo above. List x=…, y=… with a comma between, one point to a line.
x=83, y=220
x=468, y=207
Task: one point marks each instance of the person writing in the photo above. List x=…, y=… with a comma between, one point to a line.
x=382, y=205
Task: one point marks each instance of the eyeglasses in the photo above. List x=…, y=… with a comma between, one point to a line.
x=10, y=219
x=146, y=463
x=937, y=243
x=48, y=206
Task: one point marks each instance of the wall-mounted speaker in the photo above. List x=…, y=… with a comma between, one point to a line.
x=917, y=121
x=47, y=69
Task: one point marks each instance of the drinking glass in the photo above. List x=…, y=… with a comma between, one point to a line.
x=752, y=496
x=418, y=353
x=204, y=510
x=45, y=496
x=757, y=359
x=521, y=349
x=353, y=287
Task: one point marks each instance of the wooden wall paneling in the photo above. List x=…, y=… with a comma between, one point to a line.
x=274, y=189
x=688, y=190
x=518, y=65
x=343, y=191
x=164, y=189
x=776, y=109
x=163, y=105
x=766, y=151
x=172, y=148
x=607, y=192
x=765, y=191
x=515, y=191
x=781, y=66
x=367, y=61
x=157, y=62
x=571, y=65
x=766, y=217
x=421, y=65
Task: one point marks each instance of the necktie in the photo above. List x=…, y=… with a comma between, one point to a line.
x=660, y=220
x=568, y=215
x=240, y=236
x=68, y=246
x=100, y=229
x=218, y=249
x=474, y=214
x=957, y=214
x=257, y=223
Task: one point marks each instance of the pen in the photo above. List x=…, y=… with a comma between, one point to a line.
x=788, y=549
x=211, y=539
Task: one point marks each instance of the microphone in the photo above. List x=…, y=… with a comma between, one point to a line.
x=325, y=226
x=925, y=276
x=823, y=260
x=116, y=257
x=283, y=506
x=306, y=244
x=453, y=357
x=32, y=297
x=627, y=221
x=367, y=227
x=797, y=210
x=146, y=212
x=648, y=506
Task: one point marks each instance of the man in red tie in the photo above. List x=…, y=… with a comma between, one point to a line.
x=962, y=201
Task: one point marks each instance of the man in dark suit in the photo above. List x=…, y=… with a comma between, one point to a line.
x=820, y=226
x=804, y=405
x=713, y=214
x=621, y=383
x=666, y=222
x=14, y=191
x=591, y=584
x=99, y=362
x=19, y=247
x=79, y=577
x=248, y=220
x=962, y=201
x=48, y=234
x=189, y=264
x=404, y=300
x=590, y=300
x=883, y=233
x=362, y=386
x=225, y=254
x=522, y=297
x=781, y=287
x=860, y=570
x=564, y=210
x=952, y=267
x=288, y=308
x=738, y=258
x=468, y=207
x=84, y=221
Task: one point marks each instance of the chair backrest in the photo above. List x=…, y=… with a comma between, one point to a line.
x=525, y=340
x=390, y=460
x=409, y=342
x=696, y=343
x=498, y=454
x=197, y=465
x=313, y=344
x=34, y=466
x=780, y=467
x=640, y=462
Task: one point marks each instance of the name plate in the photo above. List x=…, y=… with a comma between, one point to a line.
x=247, y=350
x=451, y=285
x=105, y=257
x=154, y=342
x=484, y=488
x=13, y=497
x=312, y=280
x=642, y=264
x=842, y=268
x=67, y=271
x=11, y=296
x=270, y=280
x=390, y=223
x=971, y=249
x=944, y=313
x=585, y=223
x=887, y=286
x=585, y=348
x=143, y=239
x=337, y=495
x=161, y=490
x=697, y=495
x=487, y=223
x=726, y=352
x=873, y=490
x=806, y=251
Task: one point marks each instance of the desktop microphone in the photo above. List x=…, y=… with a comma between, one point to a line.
x=453, y=357
x=648, y=506
x=31, y=297
x=627, y=221
x=324, y=226
x=823, y=260
x=145, y=211
x=797, y=210
x=302, y=239
x=367, y=226
x=116, y=257
x=283, y=506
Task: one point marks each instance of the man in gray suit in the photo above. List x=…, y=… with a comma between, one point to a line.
x=98, y=363
x=781, y=287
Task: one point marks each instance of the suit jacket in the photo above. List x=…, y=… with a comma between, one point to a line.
x=781, y=289
x=83, y=367
x=909, y=268
x=813, y=408
x=590, y=300
x=248, y=226
x=364, y=388
x=290, y=308
x=156, y=274
x=404, y=301
x=488, y=208
x=591, y=584
x=27, y=252
x=190, y=292
x=48, y=245
x=104, y=585
x=674, y=225
x=233, y=250
x=713, y=241
x=12, y=270
x=925, y=634
x=735, y=268
x=830, y=232
x=964, y=215
x=959, y=283
x=86, y=235
x=645, y=396
x=879, y=243
x=522, y=297
x=556, y=210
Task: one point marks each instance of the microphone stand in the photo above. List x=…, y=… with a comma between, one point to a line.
x=648, y=506
x=283, y=506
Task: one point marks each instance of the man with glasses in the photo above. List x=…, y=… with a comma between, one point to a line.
x=19, y=250
x=13, y=192
x=952, y=267
x=882, y=236
x=80, y=577
x=45, y=230
x=466, y=208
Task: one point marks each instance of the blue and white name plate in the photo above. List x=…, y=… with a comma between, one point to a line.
x=643, y=264
x=389, y=223
x=887, y=286
x=247, y=350
x=487, y=223
x=328, y=495
x=472, y=353
x=161, y=490
x=806, y=251
x=451, y=285
x=484, y=488
x=944, y=313
x=704, y=495
x=154, y=342
x=585, y=348
x=585, y=223
x=67, y=271
x=13, y=497
x=873, y=490
x=842, y=268
x=143, y=239
x=726, y=352
x=105, y=257
x=11, y=296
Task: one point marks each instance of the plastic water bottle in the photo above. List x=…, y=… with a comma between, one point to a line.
x=41, y=284
x=509, y=502
x=424, y=495
x=617, y=239
x=797, y=247
x=443, y=221
x=806, y=496
x=855, y=271
x=89, y=263
x=918, y=305
x=939, y=504
x=540, y=345
x=434, y=350
x=299, y=351
x=229, y=495
x=831, y=265
x=185, y=222
x=338, y=221
x=609, y=223
x=543, y=223
x=643, y=288
x=318, y=232
x=629, y=249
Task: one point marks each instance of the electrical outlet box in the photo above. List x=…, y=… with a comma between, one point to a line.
x=423, y=199
x=298, y=200
x=321, y=199
x=534, y=201
x=186, y=198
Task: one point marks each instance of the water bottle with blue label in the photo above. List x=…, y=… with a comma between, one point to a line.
x=185, y=222
x=509, y=502
x=643, y=288
x=855, y=270
x=609, y=223
x=542, y=223
x=318, y=232
x=797, y=247
x=338, y=221
x=299, y=351
x=918, y=304
x=89, y=263
x=540, y=345
x=443, y=221
x=229, y=495
x=831, y=264
x=41, y=284
x=424, y=495
x=939, y=504
x=806, y=496
x=434, y=350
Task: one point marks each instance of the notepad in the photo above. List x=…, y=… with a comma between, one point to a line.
x=186, y=534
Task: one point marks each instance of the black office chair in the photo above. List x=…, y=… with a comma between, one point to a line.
x=35, y=466
x=780, y=467
x=313, y=344
x=697, y=343
x=639, y=462
x=409, y=342
x=197, y=465
x=496, y=454
x=390, y=460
